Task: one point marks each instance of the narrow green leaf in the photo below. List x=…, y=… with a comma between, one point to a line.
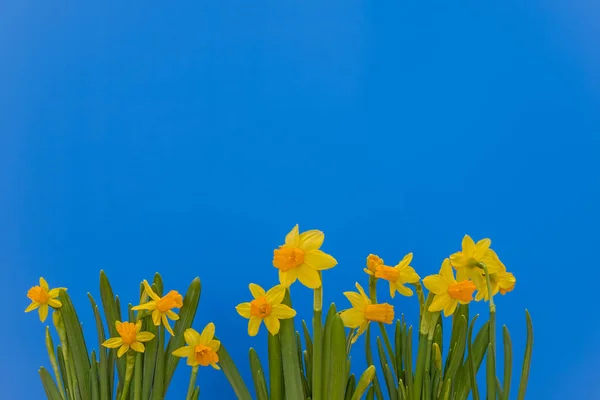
x=275, y=367
x=490, y=373
x=196, y=393
x=338, y=370
x=369, y=356
x=258, y=376
x=350, y=387
x=426, y=387
x=54, y=361
x=389, y=379
x=150, y=355
x=137, y=376
x=52, y=391
x=477, y=350
x=158, y=389
x=94, y=388
x=527, y=359
x=326, y=354
x=458, y=346
x=112, y=313
x=103, y=367
x=402, y=394
x=158, y=284
x=370, y=394
x=408, y=376
x=309, y=371
x=63, y=371
x=294, y=388
x=507, y=363
x=398, y=343
x=232, y=374
x=446, y=389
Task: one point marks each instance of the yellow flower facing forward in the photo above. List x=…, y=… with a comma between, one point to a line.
x=397, y=276
x=465, y=261
x=300, y=258
x=265, y=307
x=501, y=281
x=130, y=337
x=448, y=292
x=161, y=307
x=43, y=297
x=373, y=262
x=201, y=349
x=363, y=312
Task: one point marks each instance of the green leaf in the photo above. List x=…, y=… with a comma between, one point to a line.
x=326, y=354
x=490, y=373
x=408, y=360
x=158, y=286
x=103, y=367
x=111, y=313
x=389, y=380
x=507, y=363
x=527, y=359
x=398, y=340
x=458, y=346
x=275, y=367
x=370, y=394
x=232, y=374
x=369, y=356
x=53, y=361
x=186, y=318
x=196, y=393
x=258, y=376
x=350, y=387
x=477, y=351
x=63, y=371
x=95, y=388
x=294, y=388
x=338, y=370
x=402, y=394
x=52, y=391
x=137, y=376
x=150, y=355
x=158, y=390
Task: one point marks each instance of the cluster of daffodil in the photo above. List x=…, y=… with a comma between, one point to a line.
x=320, y=371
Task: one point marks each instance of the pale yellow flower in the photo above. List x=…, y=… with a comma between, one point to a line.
x=130, y=337
x=161, y=307
x=500, y=281
x=448, y=292
x=300, y=258
x=373, y=261
x=363, y=312
x=43, y=297
x=265, y=307
x=397, y=276
x=201, y=349
x=466, y=261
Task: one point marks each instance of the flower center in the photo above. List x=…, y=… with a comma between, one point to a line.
x=260, y=307
x=38, y=294
x=205, y=355
x=388, y=273
x=286, y=258
x=462, y=290
x=379, y=313
x=172, y=300
x=127, y=332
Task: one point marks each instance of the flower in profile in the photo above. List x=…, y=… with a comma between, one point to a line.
x=466, y=262
x=161, y=307
x=397, y=276
x=265, y=307
x=501, y=281
x=373, y=261
x=363, y=312
x=130, y=337
x=43, y=297
x=300, y=258
x=448, y=292
x=201, y=349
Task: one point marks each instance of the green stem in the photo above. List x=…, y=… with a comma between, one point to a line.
x=491, y=392
x=128, y=375
x=388, y=347
x=192, y=385
x=137, y=378
x=317, y=341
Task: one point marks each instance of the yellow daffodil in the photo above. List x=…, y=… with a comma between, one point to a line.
x=161, y=307
x=43, y=297
x=466, y=261
x=397, y=276
x=363, y=312
x=300, y=258
x=201, y=349
x=265, y=307
x=501, y=281
x=373, y=262
x=130, y=337
x=448, y=292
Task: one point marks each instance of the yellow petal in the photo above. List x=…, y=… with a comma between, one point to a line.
x=292, y=239
x=392, y=289
x=185, y=351
x=171, y=314
x=311, y=240
x=54, y=303
x=207, y=334
x=435, y=284
x=319, y=260
x=151, y=305
x=32, y=306
x=43, y=311
x=362, y=292
x=113, y=343
x=253, y=325
x=144, y=336
x=44, y=284
x=276, y=294
x=355, y=299
x=308, y=276
x=192, y=337
x=165, y=322
x=288, y=277
x=450, y=307
x=272, y=324
x=215, y=345
x=124, y=349
x=282, y=311
x=482, y=247
x=256, y=290
x=149, y=291
x=468, y=245
x=156, y=317
x=137, y=346
x=118, y=325
x=191, y=361
x=55, y=292
x=405, y=261
x=361, y=329
x=439, y=302
x=215, y=366
x=459, y=260
x=446, y=271
x=352, y=318
x=403, y=290
x=138, y=326
x=408, y=275
x=244, y=309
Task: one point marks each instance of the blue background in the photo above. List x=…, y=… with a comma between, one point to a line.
x=188, y=139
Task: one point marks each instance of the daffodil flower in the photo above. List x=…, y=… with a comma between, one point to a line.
x=373, y=261
x=501, y=281
x=265, y=307
x=300, y=258
x=43, y=297
x=363, y=312
x=201, y=349
x=448, y=292
x=397, y=276
x=161, y=307
x=130, y=337
x=466, y=261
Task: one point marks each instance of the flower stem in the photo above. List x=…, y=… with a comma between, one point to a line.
x=128, y=375
x=317, y=341
x=192, y=385
x=491, y=391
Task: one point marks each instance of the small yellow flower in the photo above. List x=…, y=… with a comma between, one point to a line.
x=265, y=307
x=161, y=307
x=373, y=262
x=41, y=297
x=201, y=349
x=465, y=261
x=300, y=258
x=448, y=292
x=397, y=276
x=363, y=312
x=501, y=281
x=130, y=338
